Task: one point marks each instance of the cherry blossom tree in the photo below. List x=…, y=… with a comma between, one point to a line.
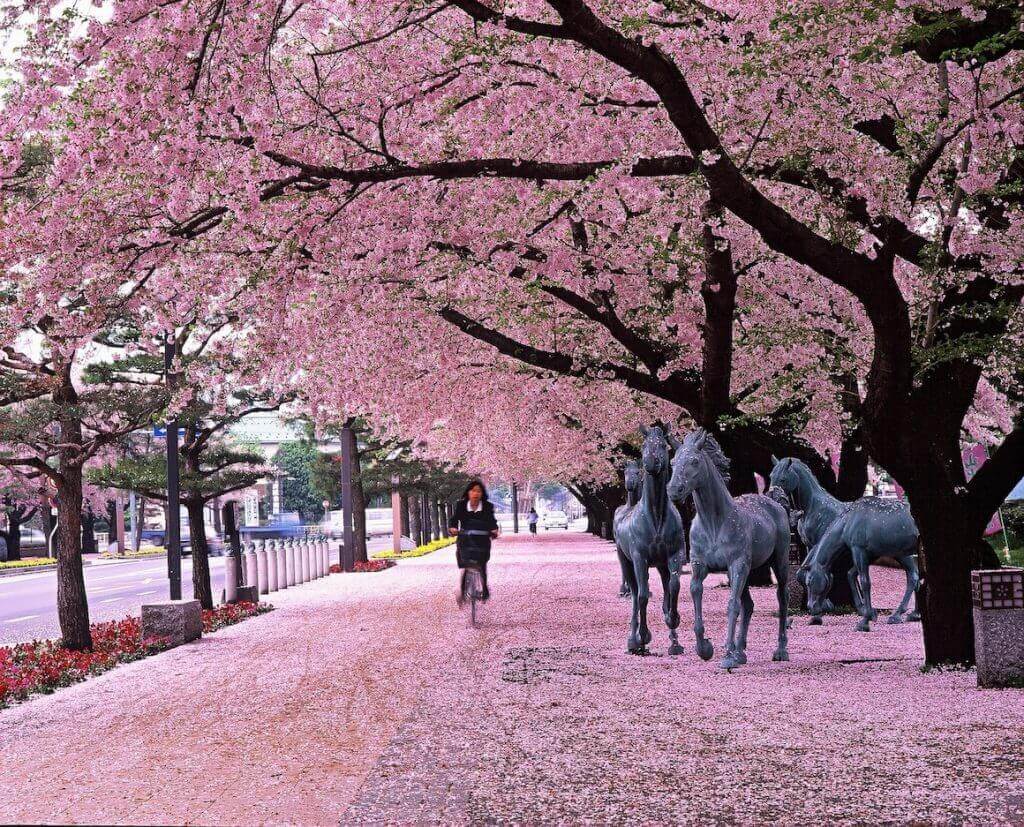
x=859, y=166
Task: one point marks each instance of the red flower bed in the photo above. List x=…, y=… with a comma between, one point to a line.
x=365, y=565
x=231, y=613
x=43, y=666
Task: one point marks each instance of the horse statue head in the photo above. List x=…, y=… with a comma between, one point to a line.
x=698, y=456
x=817, y=579
x=634, y=477
x=787, y=474
x=654, y=453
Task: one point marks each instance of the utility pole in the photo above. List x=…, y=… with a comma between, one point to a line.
x=173, y=532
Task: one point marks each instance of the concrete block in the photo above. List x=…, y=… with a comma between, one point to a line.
x=178, y=621
x=248, y=594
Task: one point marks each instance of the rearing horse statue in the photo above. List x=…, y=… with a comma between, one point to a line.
x=729, y=535
x=651, y=534
x=869, y=528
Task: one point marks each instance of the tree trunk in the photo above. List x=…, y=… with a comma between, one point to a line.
x=72, y=602
x=88, y=531
x=424, y=519
x=435, y=522
x=14, y=520
x=201, y=588
x=404, y=500
x=413, y=502
x=358, y=501
x=232, y=537
x=46, y=520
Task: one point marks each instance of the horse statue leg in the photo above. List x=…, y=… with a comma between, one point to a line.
x=861, y=561
x=670, y=606
x=747, y=604
x=738, y=573
x=909, y=565
x=698, y=572
x=641, y=635
x=780, y=565
x=629, y=578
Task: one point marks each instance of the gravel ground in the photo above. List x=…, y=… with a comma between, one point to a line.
x=369, y=699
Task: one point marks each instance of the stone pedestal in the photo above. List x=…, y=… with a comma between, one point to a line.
x=251, y=577
x=248, y=594
x=282, y=567
x=293, y=564
x=999, y=626
x=261, y=568
x=230, y=579
x=177, y=621
x=304, y=556
x=272, y=566
x=796, y=596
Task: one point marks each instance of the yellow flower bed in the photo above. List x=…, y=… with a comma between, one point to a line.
x=419, y=551
x=144, y=551
x=27, y=563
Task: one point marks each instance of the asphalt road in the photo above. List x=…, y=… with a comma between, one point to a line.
x=28, y=602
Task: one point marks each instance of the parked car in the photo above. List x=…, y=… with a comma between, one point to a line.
x=157, y=537
x=554, y=519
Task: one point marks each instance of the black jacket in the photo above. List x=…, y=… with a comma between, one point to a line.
x=474, y=548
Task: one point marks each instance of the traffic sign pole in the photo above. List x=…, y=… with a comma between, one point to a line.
x=173, y=532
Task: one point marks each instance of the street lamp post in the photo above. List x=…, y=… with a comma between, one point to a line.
x=173, y=496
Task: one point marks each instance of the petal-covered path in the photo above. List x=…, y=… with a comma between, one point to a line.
x=368, y=698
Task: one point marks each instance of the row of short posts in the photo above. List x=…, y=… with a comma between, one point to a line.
x=272, y=565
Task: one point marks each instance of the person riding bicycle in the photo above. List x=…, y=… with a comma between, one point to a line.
x=475, y=525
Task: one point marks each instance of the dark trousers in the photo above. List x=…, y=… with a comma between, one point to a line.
x=483, y=580
x=533, y=528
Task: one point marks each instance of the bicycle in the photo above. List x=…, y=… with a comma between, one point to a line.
x=473, y=590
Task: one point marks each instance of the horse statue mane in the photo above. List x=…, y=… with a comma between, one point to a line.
x=708, y=445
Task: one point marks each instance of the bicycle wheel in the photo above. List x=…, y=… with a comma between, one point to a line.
x=474, y=586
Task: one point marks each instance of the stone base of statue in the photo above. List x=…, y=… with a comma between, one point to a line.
x=177, y=621
x=999, y=626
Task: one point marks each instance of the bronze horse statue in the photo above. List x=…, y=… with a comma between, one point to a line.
x=869, y=528
x=650, y=534
x=733, y=535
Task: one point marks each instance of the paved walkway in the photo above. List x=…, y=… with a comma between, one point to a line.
x=367, y=698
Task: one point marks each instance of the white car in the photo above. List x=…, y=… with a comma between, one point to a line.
x=554, y=519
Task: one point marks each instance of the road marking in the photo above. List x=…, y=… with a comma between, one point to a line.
x=110, y=600
x=143, y=594
x=19, y=619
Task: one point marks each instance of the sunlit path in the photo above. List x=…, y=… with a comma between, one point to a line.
x=369, y=698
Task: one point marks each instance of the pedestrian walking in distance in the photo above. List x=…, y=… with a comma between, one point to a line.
x=533, y=519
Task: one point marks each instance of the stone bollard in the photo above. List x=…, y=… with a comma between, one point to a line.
x=261, y=567
x=230, y=579
x=318, y=559
x=795, y=592
x=310, y=574
x=250, y=565
x=282, y=567
x=271, y=565
x=999, y=626
x=321, y=550
x=314, y=560
x=293, y=570
x=301, y=553
x=178, y=621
